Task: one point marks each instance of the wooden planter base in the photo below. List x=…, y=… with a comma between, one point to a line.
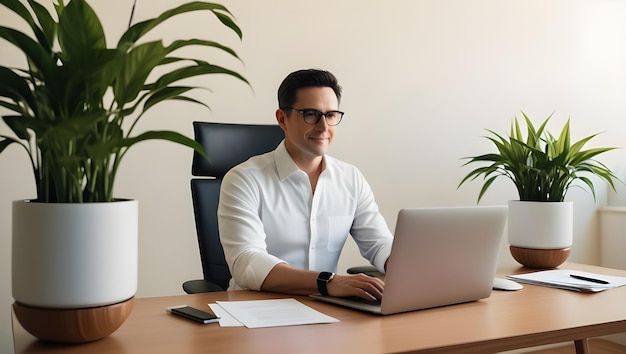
x=540, y=258
x=73, y=325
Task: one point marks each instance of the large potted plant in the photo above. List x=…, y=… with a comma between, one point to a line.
x=74, y=110
x=543, y=168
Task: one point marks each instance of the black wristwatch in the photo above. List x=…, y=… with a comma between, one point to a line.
x=322, y=280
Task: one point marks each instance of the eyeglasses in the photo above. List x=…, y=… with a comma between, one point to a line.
x=313, y=116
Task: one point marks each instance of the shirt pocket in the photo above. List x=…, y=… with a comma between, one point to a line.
x=338, y=230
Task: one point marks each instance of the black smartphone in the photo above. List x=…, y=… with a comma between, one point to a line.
x=193, y=314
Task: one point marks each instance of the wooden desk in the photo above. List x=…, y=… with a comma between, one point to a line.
x=506, y=320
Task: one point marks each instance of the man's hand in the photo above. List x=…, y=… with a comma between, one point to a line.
x=361, y=285
x=286, y=279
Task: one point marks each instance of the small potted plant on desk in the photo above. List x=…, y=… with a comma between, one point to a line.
x=74, y=108
x=543, y=168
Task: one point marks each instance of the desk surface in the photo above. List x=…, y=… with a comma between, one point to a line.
x=506, y=320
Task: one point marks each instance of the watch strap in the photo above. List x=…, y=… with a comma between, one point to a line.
x=322, y=281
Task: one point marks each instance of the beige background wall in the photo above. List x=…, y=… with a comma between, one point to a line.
x=422, y=81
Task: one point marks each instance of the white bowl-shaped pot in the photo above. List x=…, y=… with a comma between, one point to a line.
x=74, y=268
x=541, y=225
x=74, y=255
x=541, y=233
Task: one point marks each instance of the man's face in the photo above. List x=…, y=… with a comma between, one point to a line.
x=304, y=141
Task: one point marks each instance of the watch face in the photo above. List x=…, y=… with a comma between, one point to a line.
x=326, y=276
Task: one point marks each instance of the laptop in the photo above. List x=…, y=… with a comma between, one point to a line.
x=440, y=256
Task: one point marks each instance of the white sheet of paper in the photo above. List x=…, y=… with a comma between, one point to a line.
x=562, y=279
x=274, y=313
x=226, y=320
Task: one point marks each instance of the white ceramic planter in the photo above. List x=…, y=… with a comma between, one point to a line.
x=74, y=255
x=541, y=225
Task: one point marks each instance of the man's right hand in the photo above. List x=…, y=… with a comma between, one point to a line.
x=361, y=285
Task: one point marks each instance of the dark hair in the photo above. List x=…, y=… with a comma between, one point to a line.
x=303, y=79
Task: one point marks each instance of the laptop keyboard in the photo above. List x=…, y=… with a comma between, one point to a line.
x=362, y=300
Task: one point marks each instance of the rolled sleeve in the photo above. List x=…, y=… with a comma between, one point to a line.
x=369, y=230
x=381, y=257
x=242, y=234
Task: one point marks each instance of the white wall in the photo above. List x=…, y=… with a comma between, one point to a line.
x=422, y=80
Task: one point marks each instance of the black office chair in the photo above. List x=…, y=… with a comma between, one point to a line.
x=226, y=146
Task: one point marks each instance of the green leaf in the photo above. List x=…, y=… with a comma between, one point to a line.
x=192, y=71
x=190, y=100
x=15, y=87
x=80, y=30
x=59, y=7
x=17, y=7
x=228, y=21
x=135, y=32
x=20, y=125
x=184, y=43
x=157, y=135
x=165, y=93
x=134, y=70
x=11, y=106
x=36, y=54
x=48, y=25
x=4, y=143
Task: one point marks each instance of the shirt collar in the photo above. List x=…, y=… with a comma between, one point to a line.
x=285, y=164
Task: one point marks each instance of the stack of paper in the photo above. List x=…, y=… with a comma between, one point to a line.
x=571, y=280
x=268, y=313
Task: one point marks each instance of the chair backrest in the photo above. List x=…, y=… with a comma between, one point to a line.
x=226, y=145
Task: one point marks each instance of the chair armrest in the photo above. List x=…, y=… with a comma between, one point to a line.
x=201, y=286
x=369, y=270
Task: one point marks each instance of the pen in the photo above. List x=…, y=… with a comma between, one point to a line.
x=593, y=280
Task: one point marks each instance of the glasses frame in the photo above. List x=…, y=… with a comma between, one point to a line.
x=318, y=113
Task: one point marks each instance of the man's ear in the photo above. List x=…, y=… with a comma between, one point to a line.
x=280, y=118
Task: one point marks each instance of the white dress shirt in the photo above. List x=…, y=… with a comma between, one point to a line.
x=268, y=215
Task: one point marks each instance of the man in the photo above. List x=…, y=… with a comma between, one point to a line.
x=284, y=216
